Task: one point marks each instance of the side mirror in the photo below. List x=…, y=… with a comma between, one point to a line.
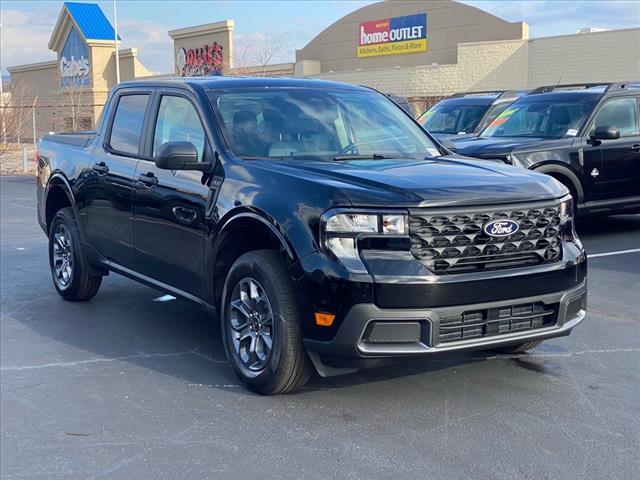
x=180, y=156
x=606, y=132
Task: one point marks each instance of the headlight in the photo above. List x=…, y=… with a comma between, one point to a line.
x=567, y=227
x=340, y=232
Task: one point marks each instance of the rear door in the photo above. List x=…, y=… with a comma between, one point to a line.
x=619, y=172
x=106, y=201
x=169, y=212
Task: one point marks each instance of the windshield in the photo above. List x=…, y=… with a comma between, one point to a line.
x=303, y=123
x=492, y=114
x=543, y=119
x=452, y=117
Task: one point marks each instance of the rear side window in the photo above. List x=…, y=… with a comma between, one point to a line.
x=127, y=123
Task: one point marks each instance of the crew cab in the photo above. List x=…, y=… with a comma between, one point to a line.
x=585, y=136
x=317, y=221
x=465, y=114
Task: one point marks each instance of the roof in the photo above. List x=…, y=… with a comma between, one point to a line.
x=221, y=82
x=88, y=19
x=564, y=95
x=470, y=100
x=91, y=21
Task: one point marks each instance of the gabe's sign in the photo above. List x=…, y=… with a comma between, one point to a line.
x=393, y=36
x=74, y=62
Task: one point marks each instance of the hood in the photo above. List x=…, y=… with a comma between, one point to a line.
x=496, y=147
x=444, y=181
x=450, y=136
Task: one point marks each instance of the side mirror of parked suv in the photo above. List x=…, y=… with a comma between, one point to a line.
x=180, y=156
x=606, y=132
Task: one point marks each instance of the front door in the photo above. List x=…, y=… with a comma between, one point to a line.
x=169, y=211
x=619, y=172
x=106, y=193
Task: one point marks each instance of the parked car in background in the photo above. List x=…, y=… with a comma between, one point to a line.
x=401, y=102
x=585, y=136
x=463, y=114
x=320, y=222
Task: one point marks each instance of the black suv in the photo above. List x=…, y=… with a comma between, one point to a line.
x=585, y=136
x=464, y=114
x=317, y=219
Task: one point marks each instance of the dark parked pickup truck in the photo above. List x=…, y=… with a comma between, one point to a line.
x=319, y=221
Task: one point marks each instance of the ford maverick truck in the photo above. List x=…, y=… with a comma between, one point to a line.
x=317, y=221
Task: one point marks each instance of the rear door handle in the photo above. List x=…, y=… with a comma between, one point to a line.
x=149, y=179
x=101, y=168
x=636, y=147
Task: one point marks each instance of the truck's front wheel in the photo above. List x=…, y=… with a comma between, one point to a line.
x=69, y=266
x=261, y=325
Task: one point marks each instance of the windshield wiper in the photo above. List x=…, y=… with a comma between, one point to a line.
x=373, y=156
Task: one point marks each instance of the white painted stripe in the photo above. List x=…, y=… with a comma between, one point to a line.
x=164, y=298
x=619, y=252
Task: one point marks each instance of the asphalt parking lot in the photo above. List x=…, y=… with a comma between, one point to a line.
x=126, y=386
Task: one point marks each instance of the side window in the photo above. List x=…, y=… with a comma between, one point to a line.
x=178, y=121
x=127, y=123
x=621, y=113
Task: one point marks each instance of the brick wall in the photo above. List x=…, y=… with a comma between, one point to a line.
x=513, y=64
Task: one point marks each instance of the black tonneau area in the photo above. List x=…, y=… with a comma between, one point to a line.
x=78, y=139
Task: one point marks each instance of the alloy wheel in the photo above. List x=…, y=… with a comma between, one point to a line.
x=251, y=322
x=62, y=256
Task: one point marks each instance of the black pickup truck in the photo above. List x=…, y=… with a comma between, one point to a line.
x=586, y=136
x=318, y=220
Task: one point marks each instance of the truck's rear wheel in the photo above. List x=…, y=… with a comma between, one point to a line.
x=69, y=266
x=261, y=325
x=518, y=348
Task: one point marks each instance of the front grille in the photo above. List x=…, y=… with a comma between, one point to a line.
x=497, y=321
x=454, y=242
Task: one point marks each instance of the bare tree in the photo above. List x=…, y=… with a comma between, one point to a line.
x=254, y=53
x=17, y=111
x=74, y=102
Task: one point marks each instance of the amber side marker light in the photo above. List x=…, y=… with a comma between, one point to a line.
x=324, y=319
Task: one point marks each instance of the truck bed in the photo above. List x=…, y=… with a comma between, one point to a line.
x=78, y=139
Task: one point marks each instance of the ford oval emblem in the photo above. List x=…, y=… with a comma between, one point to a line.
x=501, y=228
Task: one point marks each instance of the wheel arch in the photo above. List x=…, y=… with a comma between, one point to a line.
x=58, y=195
x=244, y=232
x=564, y=175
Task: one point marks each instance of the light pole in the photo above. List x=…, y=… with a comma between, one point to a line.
x=115, y=29
x=2, y=102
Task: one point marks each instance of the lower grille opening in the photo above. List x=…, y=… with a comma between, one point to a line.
x=497, y=321
x=393, y=332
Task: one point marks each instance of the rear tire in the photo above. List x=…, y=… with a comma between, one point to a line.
x=261, y=325
x=518, y=348
x=69, y=265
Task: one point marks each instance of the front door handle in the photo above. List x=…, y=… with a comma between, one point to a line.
x=184, y=215
x=149, y=179
x=101, y=168
x=636, y=147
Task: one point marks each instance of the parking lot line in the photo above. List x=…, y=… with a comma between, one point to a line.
x=619, y=252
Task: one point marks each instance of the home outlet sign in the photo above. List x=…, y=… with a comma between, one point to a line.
x=74, y=62
x=393, y=36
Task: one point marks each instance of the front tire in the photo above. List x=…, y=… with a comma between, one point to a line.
x=261, y=325
x=69, y=266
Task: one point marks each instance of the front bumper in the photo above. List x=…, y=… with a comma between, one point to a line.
x=350, y=341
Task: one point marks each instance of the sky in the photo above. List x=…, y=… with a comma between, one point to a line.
x=27, y=25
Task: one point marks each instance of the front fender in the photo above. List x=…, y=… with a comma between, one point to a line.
x=240, y=213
